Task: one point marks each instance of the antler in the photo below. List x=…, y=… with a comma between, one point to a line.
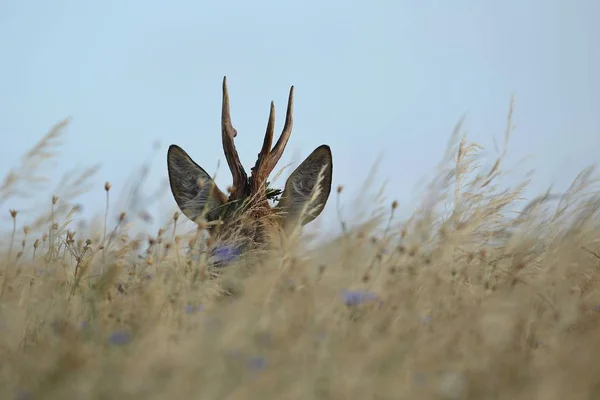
x=267, y=158
x=228, y=132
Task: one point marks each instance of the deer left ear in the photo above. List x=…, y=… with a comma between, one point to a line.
x=195, y=192
x=302, y=183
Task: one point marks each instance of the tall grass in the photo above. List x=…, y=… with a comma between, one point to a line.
x=466, y=299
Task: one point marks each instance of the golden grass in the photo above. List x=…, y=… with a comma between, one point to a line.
x=464, y=300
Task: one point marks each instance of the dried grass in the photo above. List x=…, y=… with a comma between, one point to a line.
x=463, y=300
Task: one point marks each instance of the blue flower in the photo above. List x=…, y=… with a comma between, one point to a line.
x=119, y=338
x=225, y=254
x=190, y=309
x=356, y=297
x=86, y=329
x=45, y=271
x=257, y=363
x=85, y=326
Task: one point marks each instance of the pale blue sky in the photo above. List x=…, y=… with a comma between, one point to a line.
x=374, y=78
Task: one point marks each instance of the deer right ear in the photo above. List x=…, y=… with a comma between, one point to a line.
x=301, y=183
x=195, y=192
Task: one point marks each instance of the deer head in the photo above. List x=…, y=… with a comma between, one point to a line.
x=245, y=218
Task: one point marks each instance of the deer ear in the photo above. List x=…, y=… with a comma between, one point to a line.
x=194, y=190
x=302, y=183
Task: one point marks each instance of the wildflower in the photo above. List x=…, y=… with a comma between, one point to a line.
x=190, y=309
x=225, y=254
x=45, y=272
x=253, y=363
x=356, y=297
x=119, y=338
x=86, y=329
x=257, y=363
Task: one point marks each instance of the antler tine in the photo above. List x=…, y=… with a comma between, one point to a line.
x=228, y=132
x=277, y=151
x=260, y=172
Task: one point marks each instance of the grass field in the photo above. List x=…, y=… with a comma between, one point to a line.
x=466, y=299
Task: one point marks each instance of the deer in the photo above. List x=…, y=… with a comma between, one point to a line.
x=245, y=220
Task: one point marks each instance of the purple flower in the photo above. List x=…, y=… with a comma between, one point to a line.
x=257, y=363
x=190, y=309
x=86, y=329
x=85, y=326
x=119, y=338
x=238, y=356
x=356, y=297
x=45, y=272
x=225, y=254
